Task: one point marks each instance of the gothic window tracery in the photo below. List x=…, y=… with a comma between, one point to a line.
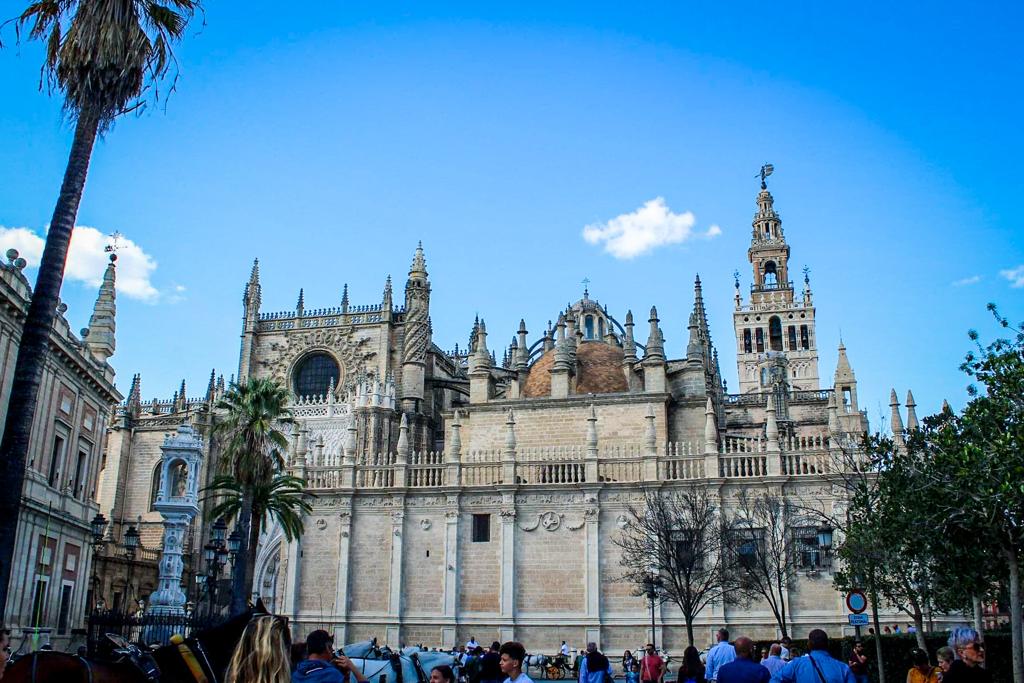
x=314, y=374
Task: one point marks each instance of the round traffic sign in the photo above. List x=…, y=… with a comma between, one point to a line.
x=856, y=601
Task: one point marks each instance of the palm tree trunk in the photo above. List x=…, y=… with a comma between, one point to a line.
x=32, y=349
x=239, y=588
x=1016, y=615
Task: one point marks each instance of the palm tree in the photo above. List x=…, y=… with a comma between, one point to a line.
x=100, y=54
x=251, y=460
x=282, y=498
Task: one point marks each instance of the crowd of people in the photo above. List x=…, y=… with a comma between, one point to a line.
x=265, y=654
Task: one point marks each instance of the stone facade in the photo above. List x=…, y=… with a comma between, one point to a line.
x=51, y=577
x=458, y=495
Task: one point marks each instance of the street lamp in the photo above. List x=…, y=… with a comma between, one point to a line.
x=234, y=543
x=131, y=544
x=99, y=528
x=220, y=528
x=652, y=589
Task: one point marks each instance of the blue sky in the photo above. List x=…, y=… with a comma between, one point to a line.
x=327, y=143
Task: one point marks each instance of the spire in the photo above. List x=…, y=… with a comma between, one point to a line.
x=300, y=305
x=549, y=338
x=481, y=359
x=211, y=387
x=843, y=370
x=99, y=336
x=418, y=269
x=912, y=423
x=387, y=302
x=344, y=298
x=563, y=358
x=736, y=282
x=134, y=402
x=896, y=419
x=252, y=288
x=807, y=286
x=655, y=343
x=693, y=348
x=946, y=407
x=629, y=343
x=522, y=359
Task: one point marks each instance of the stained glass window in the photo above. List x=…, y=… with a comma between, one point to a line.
x=314, y=374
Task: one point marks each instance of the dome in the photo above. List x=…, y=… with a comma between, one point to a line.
x=598, y=371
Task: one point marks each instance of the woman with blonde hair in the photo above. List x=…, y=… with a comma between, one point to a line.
x=263, y=655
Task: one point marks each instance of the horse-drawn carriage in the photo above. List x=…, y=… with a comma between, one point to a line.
x=552, y=667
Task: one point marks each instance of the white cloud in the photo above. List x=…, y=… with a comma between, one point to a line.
x=651, y=226
x=1014, y=275
x=963, y=282
x=87, y=259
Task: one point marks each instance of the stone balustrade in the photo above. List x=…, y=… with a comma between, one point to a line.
x=734, y=458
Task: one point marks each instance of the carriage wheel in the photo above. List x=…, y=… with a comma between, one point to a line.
x=556, y=672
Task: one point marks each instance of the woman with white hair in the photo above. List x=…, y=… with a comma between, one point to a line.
x=969, y=665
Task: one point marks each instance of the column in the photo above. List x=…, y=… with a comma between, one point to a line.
x=292, y=578
x=342, y=587
x=394, y=631
x=591, y=516
x=506, y=628
x=451, y=573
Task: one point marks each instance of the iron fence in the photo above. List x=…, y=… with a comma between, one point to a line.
x=143, y=629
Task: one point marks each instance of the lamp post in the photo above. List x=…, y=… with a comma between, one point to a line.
x=215, y=553
x=131, y=544
x=652, y=588
x=98, y=527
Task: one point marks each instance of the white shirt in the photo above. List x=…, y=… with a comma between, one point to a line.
x=565, y=650
x=472, y=645
x=521, y=678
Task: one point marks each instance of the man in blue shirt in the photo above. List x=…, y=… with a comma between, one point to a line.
x=774, y=661
x=722, y=653
x=743, y=669
x=817, y=667
x=322, y=666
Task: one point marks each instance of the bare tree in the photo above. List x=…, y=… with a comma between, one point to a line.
x=762, y=552
x=676, y=536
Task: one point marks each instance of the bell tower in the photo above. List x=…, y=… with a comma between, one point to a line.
x=775, y=321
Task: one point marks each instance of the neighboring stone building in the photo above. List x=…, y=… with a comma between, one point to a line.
x=50, y=581
x=457, y=495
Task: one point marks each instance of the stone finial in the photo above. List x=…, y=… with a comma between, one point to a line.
x=344, y=298
x=912, y=423
x=563, y=358
x=592, y=429
x=481, y=358
x=650, y=432
x=522, y=359
x=629, y=344
x=655, y=342
x=300, y=305
x=100, y=338
x=403, y=439
x=211, y=387
x=771, y=425
x=946, y=407
x=833, y=414
x=896, y=419
x=510, y=431
x=252, y=296
x=387, y=303
x=455, y=443
x=349, y=446
x=710, y=428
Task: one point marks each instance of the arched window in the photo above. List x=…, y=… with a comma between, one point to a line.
x=600, y=328
x=314, y=373
x=792, y=337
x=805, y=341
x=588, y=326
x=770, y=276
x=760, y=340
x=764, y=377
x=747, y=345
x=154, y=488
x=775, y=333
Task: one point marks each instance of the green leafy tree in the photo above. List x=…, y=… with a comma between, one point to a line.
x=101, y=55
x=282, y=499
x=251, y=462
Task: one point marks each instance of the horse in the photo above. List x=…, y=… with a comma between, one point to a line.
x=536, y=660
x=411, y=666
x=211, y=649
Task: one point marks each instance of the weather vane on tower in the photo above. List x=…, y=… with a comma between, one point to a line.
x=115, y=244
x=766, y=170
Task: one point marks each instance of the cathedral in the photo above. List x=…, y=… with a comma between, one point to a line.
x=478, y=492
